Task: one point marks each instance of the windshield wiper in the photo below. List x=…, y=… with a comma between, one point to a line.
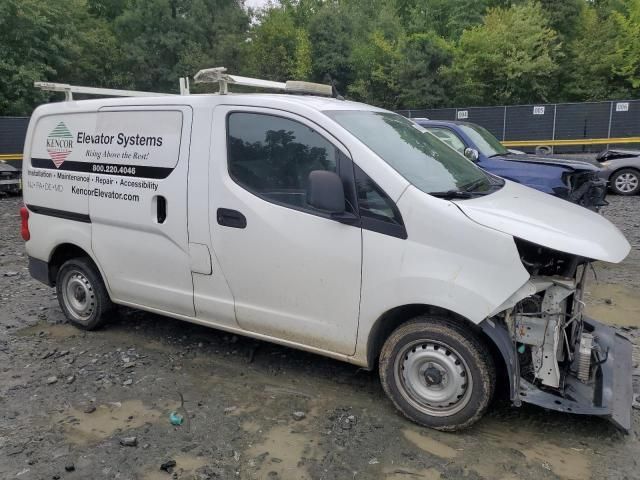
x=452, y=194
x=470, y=187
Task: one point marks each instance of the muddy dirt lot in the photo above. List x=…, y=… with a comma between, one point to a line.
x=72, y=401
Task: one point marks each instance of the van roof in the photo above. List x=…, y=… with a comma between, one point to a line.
x=249, y=99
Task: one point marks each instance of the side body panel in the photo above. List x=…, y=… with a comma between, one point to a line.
x=212, y=299
x=446, y=261
x=293, y=275
x=122, y=173
x=144, y=252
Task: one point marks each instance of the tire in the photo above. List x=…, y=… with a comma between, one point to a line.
x=625, y=181
x=437, y=373
x=543, y=150
x=82, y=295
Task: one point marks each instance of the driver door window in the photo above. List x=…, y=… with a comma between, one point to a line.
x=448, y=137
x=272, y=156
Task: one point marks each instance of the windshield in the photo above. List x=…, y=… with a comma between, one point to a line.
x=484, y=141
x=426, y=162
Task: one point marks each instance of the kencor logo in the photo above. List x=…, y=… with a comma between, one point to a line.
x=59, y=144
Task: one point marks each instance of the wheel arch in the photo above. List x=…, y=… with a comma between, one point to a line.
x=66, y=251
x=393, y=318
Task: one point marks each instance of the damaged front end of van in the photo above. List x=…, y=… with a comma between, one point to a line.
x=557, y=357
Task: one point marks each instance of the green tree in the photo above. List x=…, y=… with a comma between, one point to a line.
x=448, y=18
x=628, y=45
x=163, y=40
x=302, y=67
x=51, y=41
x=563, y=16
x=28, y=52
x=331, y=34
x=376, y=62
x=510, y=58
x=272, y=49
x=420, y=80
x=604, y=57
x=591, y=59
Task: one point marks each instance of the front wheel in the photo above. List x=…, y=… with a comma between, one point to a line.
x=81, y=293
x=437, y=373
x=625, y=181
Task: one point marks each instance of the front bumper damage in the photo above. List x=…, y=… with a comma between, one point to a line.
x=560, y=359
x=588, y=190
x=610, y=396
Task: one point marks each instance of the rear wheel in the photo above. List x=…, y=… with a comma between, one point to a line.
x=81, y=293
x=437, y=373
x=625, y=181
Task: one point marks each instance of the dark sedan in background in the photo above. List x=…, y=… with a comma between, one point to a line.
x=10, y=178
x=573, y=180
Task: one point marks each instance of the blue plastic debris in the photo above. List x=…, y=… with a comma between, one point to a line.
x=175, y=418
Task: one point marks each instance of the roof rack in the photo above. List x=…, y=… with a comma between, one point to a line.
x=208, y=75
x=69, y=90
x=218, y=75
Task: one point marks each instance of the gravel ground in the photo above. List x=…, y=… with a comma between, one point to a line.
x=77, y=405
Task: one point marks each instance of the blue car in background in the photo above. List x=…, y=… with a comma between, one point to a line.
x=572, y=180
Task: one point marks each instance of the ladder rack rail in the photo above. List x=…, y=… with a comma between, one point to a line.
x=69, y=90
x=209, y=75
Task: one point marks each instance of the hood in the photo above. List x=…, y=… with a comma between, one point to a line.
x=554, y=162
x=5, y=167
x=613, y=154
x=548, y=221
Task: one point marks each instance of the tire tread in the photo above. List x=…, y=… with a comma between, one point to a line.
x=447, y=326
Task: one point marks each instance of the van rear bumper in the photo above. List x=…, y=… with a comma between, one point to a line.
x=611, y=394
x=39, y=269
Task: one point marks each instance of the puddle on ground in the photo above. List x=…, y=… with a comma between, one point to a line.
x=186, y=466
x=85, y=428
x=408, y=474
x=429, y=444
x=62, y=330
x=498, y=451
x=564, y=462
x=504, y=443
x=624, y=308
x=251, y=427
x=284, y=446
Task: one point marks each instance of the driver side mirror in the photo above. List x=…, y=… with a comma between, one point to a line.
x=325, y=192
x=472, y=154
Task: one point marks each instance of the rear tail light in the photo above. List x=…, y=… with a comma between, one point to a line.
x=24, y=227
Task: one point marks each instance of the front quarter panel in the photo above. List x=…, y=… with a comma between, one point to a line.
x=447, y=261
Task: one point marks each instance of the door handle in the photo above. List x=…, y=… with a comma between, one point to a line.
x=161, y=208
x=231, y=218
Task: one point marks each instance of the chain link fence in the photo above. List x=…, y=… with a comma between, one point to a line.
x=553, y=128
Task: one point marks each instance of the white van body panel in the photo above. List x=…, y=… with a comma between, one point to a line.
x=212, y=298
x=293, y=275
x=446, y=262
x=53, y=232
x=296, y=278
x=147, y=261
x=540, y=218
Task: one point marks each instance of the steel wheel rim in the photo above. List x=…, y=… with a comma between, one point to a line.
x=433, y=378
x=78, y=295
x=626, y=182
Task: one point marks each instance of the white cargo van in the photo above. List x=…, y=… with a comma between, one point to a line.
x=329, y=226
